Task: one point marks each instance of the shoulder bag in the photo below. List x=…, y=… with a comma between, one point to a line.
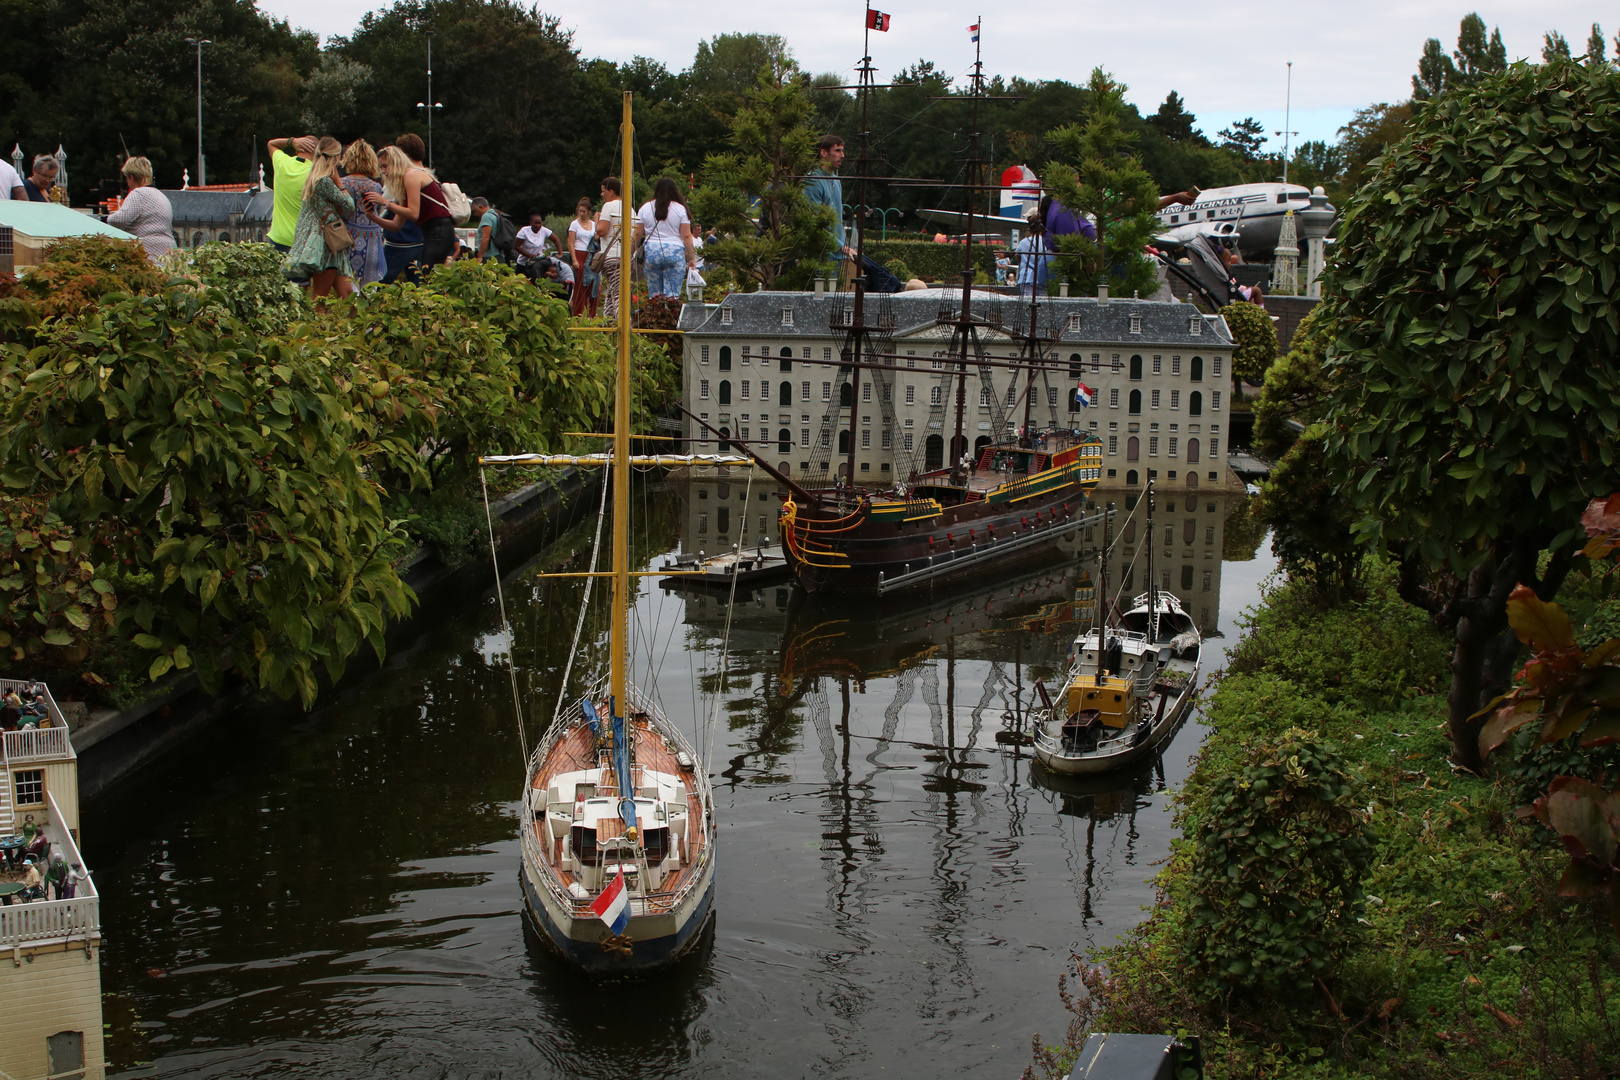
x=334, y=231
x=599, y=258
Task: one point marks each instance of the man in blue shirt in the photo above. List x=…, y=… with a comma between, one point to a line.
x=823, y=188
x=1031, y=258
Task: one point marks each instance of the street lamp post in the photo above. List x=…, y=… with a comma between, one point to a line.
x=1288, y=114
x=426, y=104
x=202, y=167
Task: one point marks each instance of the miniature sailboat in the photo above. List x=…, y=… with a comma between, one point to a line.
x=1128, y=687
x=617, y=820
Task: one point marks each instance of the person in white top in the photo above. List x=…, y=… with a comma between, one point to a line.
x=532, y=239
x=609, y=227
x=11, y=184
x=145, y=212
x=666, y=226
x=580, y=231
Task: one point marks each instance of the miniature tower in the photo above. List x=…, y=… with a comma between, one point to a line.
x=1285, y=271
x=1315, y=223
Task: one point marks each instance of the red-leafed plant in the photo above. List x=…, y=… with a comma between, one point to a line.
x=1570, y=690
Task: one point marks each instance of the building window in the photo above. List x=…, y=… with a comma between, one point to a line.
x=1209, y=536
x=1209, y=579
x=725, y=391
x=804, y=391
x=1136, y=366
x=703, y=389
x=725, y=354
x=1175, y=399
x=1195, y=403
x=784, y=444
x=1195, y=370
x=1214, y=447
x=1077, y=365
x=722, y=522
x=1074, y=322
x=886, y=443
x=1153, y=446
x=1136, y=402
x=785, y=365
x=1133, y=449
x=1214, y=401
x=725, y=317
x=1012, y=394
x=1155, y=399
x=826, y=353
x=1113, y=397
x=765, y=390
x=826, y=391
x=742, y=434
x=1113, y=445
x=1195, y=325
x=1132, y=479
x=747, y=353
x=866, y=391
x=1192, y=455
x=1115, y=363
x=1175, y=365
x=703, y=355
x=908, y=440
x=1215, y=365
x=804, y=437
x=784, y=395
x=705, y=436
x=787, y=316
x=29, y=786
x=934, y=396
x=866, y=439
x=911, y=395
x=984, y=397
x=746, y=383
x=1158, y=365
x=1172, y=446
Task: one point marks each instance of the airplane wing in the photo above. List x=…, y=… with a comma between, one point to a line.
x=981, y=223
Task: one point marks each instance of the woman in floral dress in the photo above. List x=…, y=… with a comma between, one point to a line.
x=360, y=171
x=324, y=203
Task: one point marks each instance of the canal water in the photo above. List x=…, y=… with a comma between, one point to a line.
x=335, y=893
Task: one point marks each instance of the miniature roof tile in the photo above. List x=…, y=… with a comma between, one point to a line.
x=759, y=315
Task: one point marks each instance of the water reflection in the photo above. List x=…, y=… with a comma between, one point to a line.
x=336, y=894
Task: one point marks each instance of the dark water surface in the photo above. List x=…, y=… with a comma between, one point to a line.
x=335, y=894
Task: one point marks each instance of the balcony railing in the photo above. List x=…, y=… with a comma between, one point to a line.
x=38, y=744
x=47, y=921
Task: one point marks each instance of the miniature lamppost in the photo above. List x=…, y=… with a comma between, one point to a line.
x=202, y=168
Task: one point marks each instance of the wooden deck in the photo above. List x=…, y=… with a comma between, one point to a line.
x=577, y=750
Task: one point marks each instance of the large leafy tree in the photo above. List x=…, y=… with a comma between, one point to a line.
x=1097, y=174
x=97, y=76
x=754, y=193
x=1474, y=407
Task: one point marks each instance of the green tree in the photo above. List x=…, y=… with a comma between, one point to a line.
x=1554, y=46
x=1473, y=410
x=1173, y=121
x=1436, y=71
x=1311, y=522
x=331, y=95
x=1478, y=56
x=770, y=232
x=1296, y=388
x=1596, y=46
x=1316, y=163
x=729, y=64
x=1369, y=132
x=1255, y=336
x=1244, y=138
x=1095, y=173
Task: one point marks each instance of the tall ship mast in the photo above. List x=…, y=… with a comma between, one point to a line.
x=1013, y=495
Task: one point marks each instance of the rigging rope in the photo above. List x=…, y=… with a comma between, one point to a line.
x=584, y=603
x=725, y=639
x=506, y=627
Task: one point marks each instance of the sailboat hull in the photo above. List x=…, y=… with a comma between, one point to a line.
x=656, y=941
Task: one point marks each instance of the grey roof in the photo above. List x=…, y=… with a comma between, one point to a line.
x=207, y=207
x=260, y=209
x=759, y=314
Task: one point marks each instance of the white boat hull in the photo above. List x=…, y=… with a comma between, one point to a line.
x=1118, y=753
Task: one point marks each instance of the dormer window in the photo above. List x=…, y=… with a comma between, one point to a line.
x=1195, y=326
x=787, y=316
x=725, y=316
x=1074, y=322
x=1136, y=324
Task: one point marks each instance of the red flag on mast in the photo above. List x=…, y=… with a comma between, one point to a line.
x=876, y=20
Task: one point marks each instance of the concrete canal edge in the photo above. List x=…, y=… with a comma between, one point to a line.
x=114, y=743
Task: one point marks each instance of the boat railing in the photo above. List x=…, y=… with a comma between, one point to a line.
x=38, y=744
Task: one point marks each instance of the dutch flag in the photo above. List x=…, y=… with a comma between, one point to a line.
x=613, y=906
x=974, y=30
x=1083, y=394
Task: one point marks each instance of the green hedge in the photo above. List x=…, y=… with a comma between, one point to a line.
x=934, y=262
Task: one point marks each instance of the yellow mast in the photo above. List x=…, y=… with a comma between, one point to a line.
x=620, y=636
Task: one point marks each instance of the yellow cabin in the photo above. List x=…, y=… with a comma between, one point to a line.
x=1111, y=696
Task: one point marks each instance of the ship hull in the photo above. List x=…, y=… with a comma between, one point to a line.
x=656, y=940
x=1110, y=760
x=874, y=555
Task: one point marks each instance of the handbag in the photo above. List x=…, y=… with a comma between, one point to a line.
x=599, y=256
x=336, y=234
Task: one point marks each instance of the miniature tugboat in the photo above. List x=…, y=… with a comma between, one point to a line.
x=1128, y=688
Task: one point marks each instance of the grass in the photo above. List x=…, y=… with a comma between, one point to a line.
x=1466, y=962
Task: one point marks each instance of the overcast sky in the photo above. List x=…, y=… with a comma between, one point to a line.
x=1228, y=60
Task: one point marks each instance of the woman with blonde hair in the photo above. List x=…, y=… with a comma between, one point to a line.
x=402, y=243
x=325, y=207
x=145, y=212
x=360, y=172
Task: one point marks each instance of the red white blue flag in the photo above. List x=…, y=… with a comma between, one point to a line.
x=974, y=30
x=613, y=906
x=1084, y=394
x=876, y=20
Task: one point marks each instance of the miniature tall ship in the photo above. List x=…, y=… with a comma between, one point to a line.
x=1128, y=687
x=617, y=828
